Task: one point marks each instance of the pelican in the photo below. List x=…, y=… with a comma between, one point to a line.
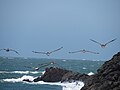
x=8, y=50
x=41, y=65
x=103, y=45
x=48, y=53
x=35, y=68
x=84, y=51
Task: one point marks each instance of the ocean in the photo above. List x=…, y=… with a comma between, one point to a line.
x=13, y=70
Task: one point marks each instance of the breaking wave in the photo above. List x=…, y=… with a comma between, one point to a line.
x=65, y=85
x=22, y=72
x=90, y=73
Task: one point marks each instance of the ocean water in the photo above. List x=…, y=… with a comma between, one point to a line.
x=14, y=70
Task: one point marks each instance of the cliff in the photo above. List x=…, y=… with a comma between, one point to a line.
x=107, y=76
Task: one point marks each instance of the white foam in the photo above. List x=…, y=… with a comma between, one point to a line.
x=21, y=72
x=64, y=60
x=65, y=86
x=73, y=86
x=84, y=68
x=31, y=78
x=43, y=72
x=90, y=73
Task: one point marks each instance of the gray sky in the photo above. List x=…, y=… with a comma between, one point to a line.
x=45, y=25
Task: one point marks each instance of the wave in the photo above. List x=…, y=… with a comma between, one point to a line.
x=90, y=73
x=65, y=86
x=31, y=78
x=22, y=72
x=73, y=86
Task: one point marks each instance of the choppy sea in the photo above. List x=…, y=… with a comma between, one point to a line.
x=14, y=70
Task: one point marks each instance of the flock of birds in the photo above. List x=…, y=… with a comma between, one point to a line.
x=50, y=52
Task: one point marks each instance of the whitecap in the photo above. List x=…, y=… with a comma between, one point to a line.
x=65, y=85
x=43, y=72
x=84, y=68
x=31, y=78
x=21, y=72
x=64, y=60
x=73, y=86
x=90, y=73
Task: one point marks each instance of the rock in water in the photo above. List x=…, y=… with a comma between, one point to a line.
x=53, y=74
x=107, y=77
x=58, y=74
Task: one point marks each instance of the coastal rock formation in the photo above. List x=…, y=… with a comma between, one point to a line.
x=107, y=77
x=58, y=74
x=70, y=76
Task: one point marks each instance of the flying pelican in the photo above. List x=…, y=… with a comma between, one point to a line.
x=41, y=65
x=8, y=49
x=48, y=53
x=35, y=68
x=103, y=45
x=84, y=51
x=47, y=63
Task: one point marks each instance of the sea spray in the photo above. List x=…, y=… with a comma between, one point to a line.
x=77, y=85
x=22, y=72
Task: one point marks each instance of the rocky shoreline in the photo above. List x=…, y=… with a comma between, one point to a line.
x=106, y=78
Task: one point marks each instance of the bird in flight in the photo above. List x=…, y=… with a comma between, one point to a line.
x=84, y=51
x=48, y=52
x=8, y=50
x=103, y=45
x=35, y=68
x=41, y=65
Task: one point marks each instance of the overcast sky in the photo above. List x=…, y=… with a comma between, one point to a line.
x=45, y=25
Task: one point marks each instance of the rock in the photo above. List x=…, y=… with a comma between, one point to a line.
x=53, y=74
x=107, y=76
x=37, y=79
x=58, y=74
x=70, y=76
x=27, y=80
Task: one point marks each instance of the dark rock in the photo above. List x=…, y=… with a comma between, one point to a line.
x=107, y=77
x=58, y=74
x=37, y=79
x=53, y=74
x=27, y=80
x=70, y=76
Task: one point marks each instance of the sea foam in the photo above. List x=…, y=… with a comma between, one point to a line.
x=22, y=72
x=77, y=85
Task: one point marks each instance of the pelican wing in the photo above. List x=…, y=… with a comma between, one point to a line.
x=76, y=51
x=2, y=49
x=92, y=52
x=110, y=41
x=95, y=41
x=39, y=52
x=28, y=67
x=42, y=64
x=14, y=51
x=45, y=65
x=57, y=49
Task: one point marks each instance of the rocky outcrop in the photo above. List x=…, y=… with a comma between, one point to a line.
x=107, y=77
x=70, y=76
x=58, y=74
